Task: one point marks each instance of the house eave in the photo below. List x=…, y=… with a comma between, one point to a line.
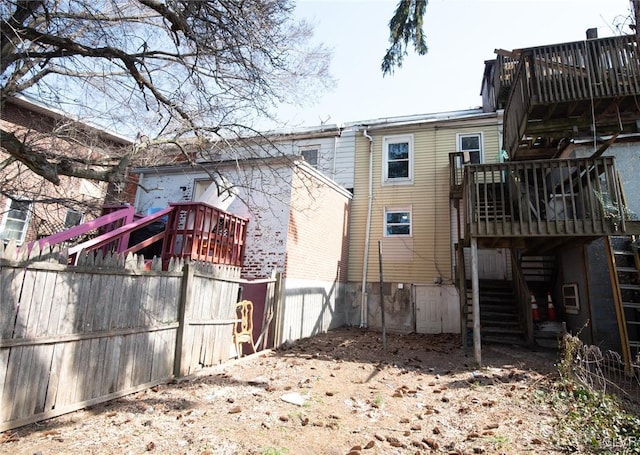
x=427, y=119
x=26, y=102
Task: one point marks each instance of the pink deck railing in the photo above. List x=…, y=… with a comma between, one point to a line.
x=113, y=218
x=194, y=231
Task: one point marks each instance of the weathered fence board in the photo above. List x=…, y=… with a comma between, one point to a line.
x=209, y=314
x=74, y=336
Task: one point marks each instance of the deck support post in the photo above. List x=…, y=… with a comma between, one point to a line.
x=477, y=351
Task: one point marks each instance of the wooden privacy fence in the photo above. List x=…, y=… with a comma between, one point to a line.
x=75, y=336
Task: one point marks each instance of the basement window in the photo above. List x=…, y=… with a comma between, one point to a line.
x=570, y=298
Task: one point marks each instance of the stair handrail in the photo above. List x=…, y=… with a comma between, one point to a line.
x=635, y=249
x=522, y=296
x=116, y=234
x=125, y=214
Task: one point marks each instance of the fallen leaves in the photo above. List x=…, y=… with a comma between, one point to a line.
x=344, y=395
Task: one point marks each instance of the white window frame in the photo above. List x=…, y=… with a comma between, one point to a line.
x=385, y=223
x=200, y=186
x=386, y=142
x=460, y=136
x=571, y=298
x=5, y=218
x=311, y=148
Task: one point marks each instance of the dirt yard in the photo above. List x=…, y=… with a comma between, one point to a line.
x=338, y=393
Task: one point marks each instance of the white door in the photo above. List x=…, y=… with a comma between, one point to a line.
x=493, y=264
x=437, y=309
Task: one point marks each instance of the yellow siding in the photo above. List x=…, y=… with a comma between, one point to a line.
x=427, y=254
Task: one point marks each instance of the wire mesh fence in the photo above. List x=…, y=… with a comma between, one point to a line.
x=604, y=371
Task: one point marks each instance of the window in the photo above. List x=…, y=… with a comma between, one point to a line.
x=397, y=223
x=15, y=220
x=570, y=298
x=72, y=218
x=471, y=147
x=310, y=155
x=199, y=188
x=398, y=159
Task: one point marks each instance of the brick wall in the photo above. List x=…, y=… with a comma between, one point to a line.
x=317, y=241
x=266, y=206
x=50, y=132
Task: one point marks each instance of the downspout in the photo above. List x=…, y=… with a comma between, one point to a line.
x=335, y=154
x=367, y=236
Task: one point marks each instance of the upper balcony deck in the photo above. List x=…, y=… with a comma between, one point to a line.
x=560, y=90
x=527, y=202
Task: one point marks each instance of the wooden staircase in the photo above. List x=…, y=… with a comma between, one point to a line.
x=624, y=268
x=539, y=273
x=500, y=320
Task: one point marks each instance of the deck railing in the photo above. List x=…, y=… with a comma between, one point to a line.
x=522, y=297
x=504, y=75
x=564, y=73
x=456, y=173
x=114, y=237
x=192, y=230
x=201, y=232
x=112, y=218
x=573, y=197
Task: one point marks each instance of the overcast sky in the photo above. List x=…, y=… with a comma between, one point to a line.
x=461, y=35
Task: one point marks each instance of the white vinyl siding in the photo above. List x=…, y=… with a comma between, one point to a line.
x=398, y=159
x=426, y=254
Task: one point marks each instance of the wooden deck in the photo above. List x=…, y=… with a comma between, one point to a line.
x=560, y=89
x=190, y=230
x=520, y=201
x=204, y=233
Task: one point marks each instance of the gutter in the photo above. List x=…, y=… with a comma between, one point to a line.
x=367, y=237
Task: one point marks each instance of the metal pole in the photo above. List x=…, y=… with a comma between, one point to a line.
x=477, y=351
x=384, y=329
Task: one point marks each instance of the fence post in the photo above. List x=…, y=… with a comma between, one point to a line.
x=277, y=310
x=181, y=350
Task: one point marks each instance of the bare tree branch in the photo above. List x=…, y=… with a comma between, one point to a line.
x=172, y=70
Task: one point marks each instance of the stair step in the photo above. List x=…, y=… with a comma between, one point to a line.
x=623, y=252
x=498, y=327
x=497, y=320
x=627, y=269
x=497, y=305
x=502, y=330
x=500, y=295
x=632, y=305
x=630, y=287
x=494, y=309
x=504, y=340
